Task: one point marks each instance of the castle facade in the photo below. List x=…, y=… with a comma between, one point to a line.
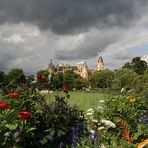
x=81, y=68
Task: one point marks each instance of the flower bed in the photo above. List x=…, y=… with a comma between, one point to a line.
x=28, y=121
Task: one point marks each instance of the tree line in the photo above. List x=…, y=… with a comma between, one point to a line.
x=132, y=75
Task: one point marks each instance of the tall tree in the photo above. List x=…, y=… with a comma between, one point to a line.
x=2, y=76
x=57, y=80
x=69, y=77
x=124, y=78
x=139, y=66
x=101, y=79
x=79, y=83
x=17, y=75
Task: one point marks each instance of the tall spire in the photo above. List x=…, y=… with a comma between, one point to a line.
x=99, y=53
x=100, y=61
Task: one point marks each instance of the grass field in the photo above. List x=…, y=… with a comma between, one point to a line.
x=83, y=100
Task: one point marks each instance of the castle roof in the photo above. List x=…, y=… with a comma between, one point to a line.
x=100, y=59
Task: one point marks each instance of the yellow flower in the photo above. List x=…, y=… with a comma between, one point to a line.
x=142, y=144
x=132, y=100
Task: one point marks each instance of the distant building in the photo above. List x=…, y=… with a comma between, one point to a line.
x=100, y=63
x=51, y=68
x=81, y=68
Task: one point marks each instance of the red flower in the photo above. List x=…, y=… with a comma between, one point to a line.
x=14, y=95
x=65, y=88
x=4, y=105
x=24, y=115
x=41, y=78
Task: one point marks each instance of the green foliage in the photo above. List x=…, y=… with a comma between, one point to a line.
x=16, y=75
x=139, y=66
x=57, y=80
x=49, y=125
x=131, y=110
x=69, y=77
x=2, y=76
x=101, y=79
x=124, y=78
x=80, y=83
x=43, y=72
x=127, y=65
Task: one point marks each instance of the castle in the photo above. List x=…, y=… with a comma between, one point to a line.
x=81, y=68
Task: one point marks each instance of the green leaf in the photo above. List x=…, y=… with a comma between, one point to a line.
x=31, y=129
x=11, y=126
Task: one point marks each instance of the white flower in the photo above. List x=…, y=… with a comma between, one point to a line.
x=108, y=123
x=100, y=108
x=95, y=121
x=89, y=114
x=92, y=132
x=102, y=146
x=101, y=101
x=101, y=128
x=90, y=110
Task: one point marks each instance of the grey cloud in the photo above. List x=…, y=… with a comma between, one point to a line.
x=92, y=42
x=51, y=29
x=71, y=16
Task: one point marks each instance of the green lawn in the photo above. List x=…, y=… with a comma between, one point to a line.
x=83, y=100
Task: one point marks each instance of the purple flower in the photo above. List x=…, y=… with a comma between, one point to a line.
x=61, y=145
x=94, y=136
x=17, y=133
x=144, y=119
x=75, y=136
x=84, y=129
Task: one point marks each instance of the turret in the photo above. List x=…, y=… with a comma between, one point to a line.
x=100, y=62
x=51, y=68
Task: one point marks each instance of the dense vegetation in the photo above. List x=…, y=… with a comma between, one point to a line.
x=119, y=119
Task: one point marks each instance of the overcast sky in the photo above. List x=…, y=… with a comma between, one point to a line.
x=34, y=31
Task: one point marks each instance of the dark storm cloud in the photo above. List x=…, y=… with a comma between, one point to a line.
x=33, y=31
x=71, y=16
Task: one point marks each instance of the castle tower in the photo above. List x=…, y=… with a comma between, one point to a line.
x=100, y=62
x=51, y=68
x=83, y=70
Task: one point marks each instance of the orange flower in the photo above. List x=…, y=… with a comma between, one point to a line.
x=133, y=100
x=142, y=144
x=129, y=97
x=14, y=95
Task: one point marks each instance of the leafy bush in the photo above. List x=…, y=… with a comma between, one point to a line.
x=27, y=120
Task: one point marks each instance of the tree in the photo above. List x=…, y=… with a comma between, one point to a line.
x=16, y=75
x=124, y=78
x=43, y=73
x=79, y=83
x=101, y=79
x=69, y=77
x=139, y=66
x=57, y=80
x=2, y=76
x=127, y=65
